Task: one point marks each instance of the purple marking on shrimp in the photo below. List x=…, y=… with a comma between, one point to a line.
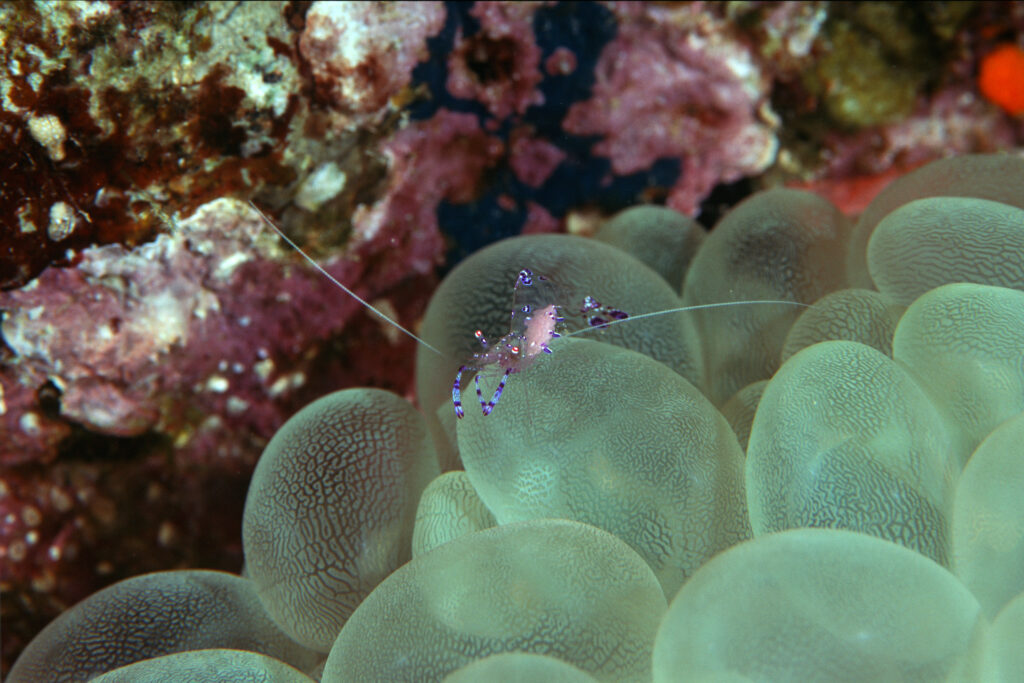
x=457, y=392
x=489, y=405
x=533, y=324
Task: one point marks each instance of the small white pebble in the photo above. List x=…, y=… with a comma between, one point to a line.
x=29, y=423
x=31, y=516
x=17, y=551
x=321, y=186
x=63, y=221
x=279, y=386
x=236, y=405
x=264, y=367
x=217, y=384
x=49, y=132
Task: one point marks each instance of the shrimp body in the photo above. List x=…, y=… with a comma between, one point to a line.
x=515, y=351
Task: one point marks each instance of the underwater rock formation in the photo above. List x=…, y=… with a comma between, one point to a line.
x=390, y=141
x=605, y=482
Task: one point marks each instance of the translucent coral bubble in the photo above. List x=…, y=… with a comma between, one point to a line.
x=964, y=344
x=932, y=242
x=518, y=667
x=449, y=508
x=552, y=587
x=477, y=295
x=664, y=239
x=1004, y=657
x=610, y=437
x=997, y=177
x=820, y=605
x=988, y=518
x=740, y=409
x=859, y=315
x=207, y=666
x=331, y=506
x=844, y=437
x=779, y=244
x=150, y=616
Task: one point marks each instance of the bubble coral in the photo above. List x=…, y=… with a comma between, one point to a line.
x=610, y=437
x=518, y=667
x=1004, y=658
x=152, y=615
x=331, y=506
x=988, y=547
x=449, y=507
x=820, y=604
x=207, y=666
x=546, y=586
x=844, y=437
x=778, y=244
x=620, y=431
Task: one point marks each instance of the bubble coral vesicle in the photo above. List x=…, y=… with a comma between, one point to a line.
x=820, y=605
x=777, y=244
x=611, y=437
x=207, y=666
x=152, y=615
x=931, y=242
x=964, y=343
x=555, y=587
x=996, y=177
x=988, y=518
x=844, y=437
x=331, y=506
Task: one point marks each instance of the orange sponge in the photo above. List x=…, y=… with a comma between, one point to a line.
x=1002, y=78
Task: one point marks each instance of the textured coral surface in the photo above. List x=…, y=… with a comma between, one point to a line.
x=156, y=333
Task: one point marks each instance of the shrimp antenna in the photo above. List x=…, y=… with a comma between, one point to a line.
x=335, y=280
x=683, y=309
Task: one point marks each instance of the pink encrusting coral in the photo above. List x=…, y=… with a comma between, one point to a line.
x=500, y=66
x=213, y=297
x=674, y=84
x=363, y=53
x=533, y=159
x=442, y=158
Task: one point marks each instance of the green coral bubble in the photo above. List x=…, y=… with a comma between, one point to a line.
x=608, y=436
x=820, y=605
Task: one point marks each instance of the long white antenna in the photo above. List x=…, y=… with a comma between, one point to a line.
x=683, y=309
x=333, y=279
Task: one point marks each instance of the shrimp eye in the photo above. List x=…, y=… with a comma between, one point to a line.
x=478, y=334
x=515, y=349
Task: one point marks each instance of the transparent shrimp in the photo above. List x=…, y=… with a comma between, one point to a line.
x=533, y=325
x=537, y=317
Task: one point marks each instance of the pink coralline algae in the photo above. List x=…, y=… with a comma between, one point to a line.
x=362, y=53
x=442, y=158
x=533, y=159
x=500, y=65
x=198, y=330
x=673, y=84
